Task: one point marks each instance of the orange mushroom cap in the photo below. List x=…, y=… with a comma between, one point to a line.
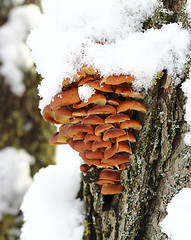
x=84, y=168
x=113, y=133
x=75, y=128
x=102, y=128
x=48, y=115
x=90, y=161
x=66, y=82
x=117, y=118
x=116, y=80
x=124, y=147
x=79, y=136
x=65, y=98
x=101, y=87
x=98, y=154
x=62, y=115
x=104, y=181
x=88, y=70
x=110, y=174
x=56, y=139
x=131, y=105
x=125, y=92
x=100, y=144
x=97, y=99
x=93, y=120
x=79, y=113
x=131, y=124
x=79, y=146
x=91, y=137
x=127, y=137
x=85, y=80
x=118, y=159
x=106, y=109
x=110, y=189
x=109, y=152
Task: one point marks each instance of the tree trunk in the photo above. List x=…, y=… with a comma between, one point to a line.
x=158, y=169
x=16, y=114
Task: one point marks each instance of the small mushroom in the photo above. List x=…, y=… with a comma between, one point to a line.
x=118, y=159
x=79, y=113
x=93, y=120
x=127, y=137
x=85, y=80
x=79, y=146
x=124, y=147
x=91, y=137
x=127, y=92
x=116, y=80
x=90, y=161
x=102, y=128
x=65, y=98
x=113, y=133
x=109, y=152
x=98, y=154
x=57, y=138
x=110, y=189
x=96, y=99
x=62, y=115
x=117, y=118
x=131, y=124
x=104, y=181
x=106, y=109
x=100, y=144
x=79, y=136
x=84, y=168
x=75, y=128
x=101, y=87
x=88, y=70
x=48, y=115
x=109, y=174
x=131, y=105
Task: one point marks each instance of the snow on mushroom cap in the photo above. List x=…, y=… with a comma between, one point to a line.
x=68, y=35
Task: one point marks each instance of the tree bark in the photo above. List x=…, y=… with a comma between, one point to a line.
x=16, y=114
x=158, y=169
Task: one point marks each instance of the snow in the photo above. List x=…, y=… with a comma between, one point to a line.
x=85, y=92
x=177, y=223
x=15, y=179
x=68, y=33
x=51, y=210
x=16, y=2
x=14, y=53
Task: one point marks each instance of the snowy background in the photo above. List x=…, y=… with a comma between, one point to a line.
x=61, y=44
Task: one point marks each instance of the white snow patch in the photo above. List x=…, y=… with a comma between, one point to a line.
x=51, y=210
x=186, y=87
x=14, y=179
x=85, y=92
x=66, y=37
x=14, y=53
x=177, y=223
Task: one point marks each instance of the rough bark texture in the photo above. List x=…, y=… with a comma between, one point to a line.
x=158, y=169
x=16, y=114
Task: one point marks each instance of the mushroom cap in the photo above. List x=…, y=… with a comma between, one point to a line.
x=101, y=87
x=131, y=124
x=62, y=115
x=88, y=70
x=84, y=168
x=106, y=109
x=57, y=138
x=102, y=128
x=75, y=128
x=90, y=161
x=63, y=129
x=110, y=189
x=75, y=120
x=122, y=166
x=104, y=165
x=127, y=137
x=48, y=115
x=79, y=146
x=127, y=92
x=97, y=99
x=124, y=147
x=104, y=181
x=117, y=118
x=113, y=133
x=79, y=136
x=93, y=120
x=98, y=154
x=116, y=80
x=79, y=113
x=91, y=137
x=66, y=82
x=113, y=102
x=109, y=152
x=100, y=144
x=110, y=174
x=131, y=105
x=65, y=98
x=118, y=159
x=85, y=80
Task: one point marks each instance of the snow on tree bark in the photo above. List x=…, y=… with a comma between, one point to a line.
x=159, y=167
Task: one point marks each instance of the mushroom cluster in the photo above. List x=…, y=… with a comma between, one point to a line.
x=100, y=129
